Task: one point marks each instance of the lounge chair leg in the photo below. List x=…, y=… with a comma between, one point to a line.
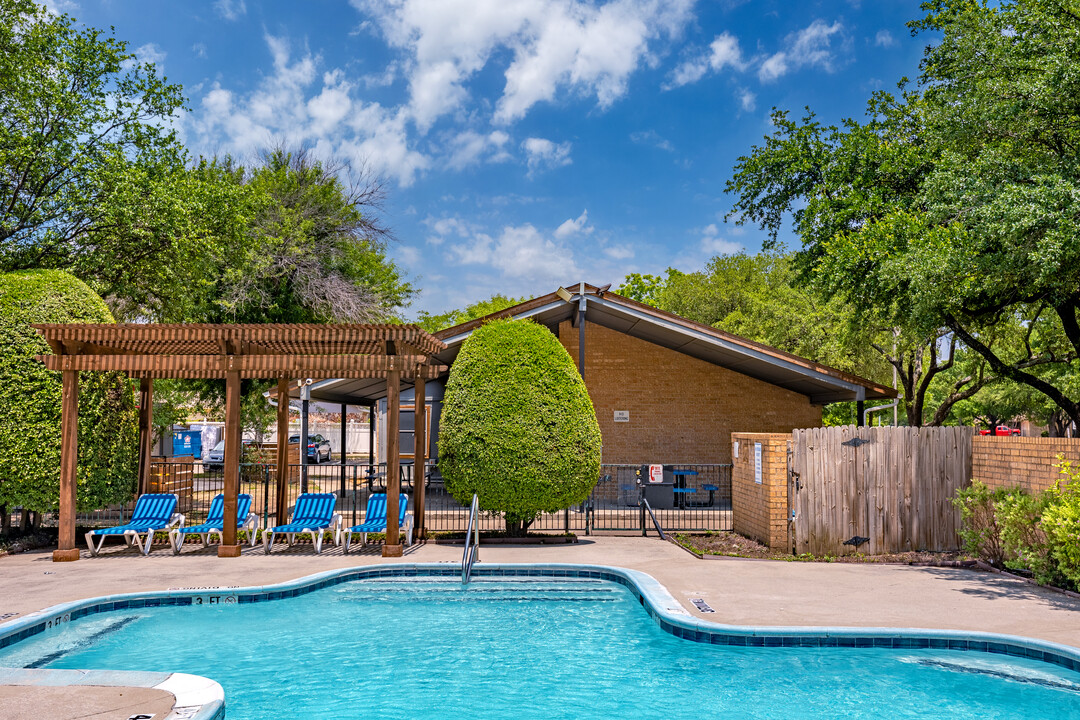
x=90, y=544
x=149, y=542
x=176, y=539
x=363, y=539
x=268, y=541
x=348, y=537
x=316, y=540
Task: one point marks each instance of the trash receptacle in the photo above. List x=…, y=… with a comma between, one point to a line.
x=187, y=442
x=658, y=486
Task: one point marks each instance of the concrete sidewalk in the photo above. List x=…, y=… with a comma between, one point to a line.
x=743, y=592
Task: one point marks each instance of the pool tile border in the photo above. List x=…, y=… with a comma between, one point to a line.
x=664, y=610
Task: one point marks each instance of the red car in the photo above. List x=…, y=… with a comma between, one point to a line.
x=1000, y=430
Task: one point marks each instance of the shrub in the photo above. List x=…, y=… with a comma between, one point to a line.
x=1061, y=523
x=980, y=531
x=1020, y=519
x=30, y=401
x=518, y=427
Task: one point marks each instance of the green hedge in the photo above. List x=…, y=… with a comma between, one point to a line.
x=30, y=401
x=518, y=427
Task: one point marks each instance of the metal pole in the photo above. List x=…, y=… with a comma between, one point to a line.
x=305, y=400
x=344, y=442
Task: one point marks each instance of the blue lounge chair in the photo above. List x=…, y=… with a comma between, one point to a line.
x=313, y=513
x=375, y=519
x=152, y=513
x=215, y=522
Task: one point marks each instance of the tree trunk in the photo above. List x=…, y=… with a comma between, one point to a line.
x=517, y=527
x=5, y=520
x=24, y=521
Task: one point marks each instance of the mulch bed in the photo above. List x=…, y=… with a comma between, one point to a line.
x=734, y=545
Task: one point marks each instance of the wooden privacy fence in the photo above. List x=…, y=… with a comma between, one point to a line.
x=893, y=486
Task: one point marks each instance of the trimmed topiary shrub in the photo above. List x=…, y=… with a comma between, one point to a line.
x=30, y=401
x=518, y=427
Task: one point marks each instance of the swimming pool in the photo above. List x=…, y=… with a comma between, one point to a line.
x=372, y=643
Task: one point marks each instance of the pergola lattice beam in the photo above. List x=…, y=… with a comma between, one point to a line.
x=249, y=366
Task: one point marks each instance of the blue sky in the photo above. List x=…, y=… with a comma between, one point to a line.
x=524, y=143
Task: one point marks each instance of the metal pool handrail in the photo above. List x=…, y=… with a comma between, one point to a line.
x=659, y=530
x=468, y=558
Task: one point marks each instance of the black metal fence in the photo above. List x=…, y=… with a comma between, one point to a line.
x=701, y=497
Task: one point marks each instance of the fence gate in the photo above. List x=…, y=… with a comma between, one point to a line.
x=882, y=489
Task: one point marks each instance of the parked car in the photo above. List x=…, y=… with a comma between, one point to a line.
x=1000, y=430
x=318, y=449
x=215, y=459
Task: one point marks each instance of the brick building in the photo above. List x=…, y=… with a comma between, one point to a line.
x=665, y=389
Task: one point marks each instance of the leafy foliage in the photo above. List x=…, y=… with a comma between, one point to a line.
x=475, y=311
x=30, y=401
x=85, y=146
x=955, y=207
x=518, y=427
x=980, y=531
x=1061, y=523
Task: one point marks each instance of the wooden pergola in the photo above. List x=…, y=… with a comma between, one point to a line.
x=232, y=353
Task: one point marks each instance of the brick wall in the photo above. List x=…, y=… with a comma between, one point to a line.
x=1020, y=461
x=682, y=410
x=761, y=510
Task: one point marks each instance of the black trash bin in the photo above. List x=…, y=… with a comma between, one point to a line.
x=660, y=495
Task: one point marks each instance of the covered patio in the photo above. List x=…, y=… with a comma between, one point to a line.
x=389, y=355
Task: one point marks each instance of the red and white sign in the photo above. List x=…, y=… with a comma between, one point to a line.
x=656, y=473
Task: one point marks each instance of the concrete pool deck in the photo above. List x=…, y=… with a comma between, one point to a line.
x=743, y=592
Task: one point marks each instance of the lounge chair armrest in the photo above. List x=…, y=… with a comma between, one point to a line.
x=337, y=522
x=253, y=517
x=177, y=519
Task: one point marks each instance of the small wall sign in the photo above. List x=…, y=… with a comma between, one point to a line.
x=757, y=463
x=656, y=473
x=622, y=416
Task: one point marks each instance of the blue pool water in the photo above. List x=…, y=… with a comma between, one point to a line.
x=429, y=648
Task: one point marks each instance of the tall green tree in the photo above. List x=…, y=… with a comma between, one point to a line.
x=86, y=149
x=955, y=207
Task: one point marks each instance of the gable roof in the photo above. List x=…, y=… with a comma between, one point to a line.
x=822, y=384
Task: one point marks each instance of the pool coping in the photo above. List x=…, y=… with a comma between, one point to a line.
x=196, y=697
x=661, y=606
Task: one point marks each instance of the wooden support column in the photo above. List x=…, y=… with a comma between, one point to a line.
x=392, y=547
x=69, y=457
x=146, y=432
x=419, y=453
x=229, y=547
x=281, y=506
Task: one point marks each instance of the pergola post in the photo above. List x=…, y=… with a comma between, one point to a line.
x=146, y=432
x=392, y=547
x=229, y=547
x=344, y=448
x=419, y=451
x=69, y=454
x=281, y=506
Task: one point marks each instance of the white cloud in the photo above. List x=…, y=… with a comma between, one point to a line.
x=723, y=52
x=573, y=227
x=519, y=251
x=747, y=100
x=651, y=137
x=619, y=252
x=713, y=244
x=295, y=103
x=469, y=147
x=810, y=47
x=884, y=38
x=543, y=154
x=230, y=9
x=58, y=7
x=150, y=53
x=199, y=49
x=554, y=45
